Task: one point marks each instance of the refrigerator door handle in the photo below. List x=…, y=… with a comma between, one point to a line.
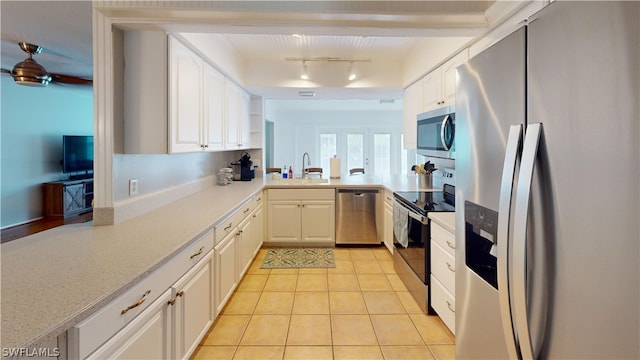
x=521, y=218
x=511, y=159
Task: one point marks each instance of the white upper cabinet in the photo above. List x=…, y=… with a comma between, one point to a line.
x=173, y=101
x=236, y=117
x=449, y=76
x=412, y=106
x=439, y=86
x=186, y=99
x=213, y=108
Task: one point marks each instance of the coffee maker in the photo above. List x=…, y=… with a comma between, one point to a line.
x=247, y=173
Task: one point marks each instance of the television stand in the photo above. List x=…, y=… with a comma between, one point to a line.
x=81, y=177
x=67, y=197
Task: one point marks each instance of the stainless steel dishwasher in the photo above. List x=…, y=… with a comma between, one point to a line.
x=356, y=216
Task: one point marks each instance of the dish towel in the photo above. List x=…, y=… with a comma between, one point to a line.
x=400, y=223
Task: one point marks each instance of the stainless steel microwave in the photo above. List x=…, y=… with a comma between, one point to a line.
x=436, y=133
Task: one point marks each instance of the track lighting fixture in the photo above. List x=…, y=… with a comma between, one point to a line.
x=352, y=74
x=305, y=73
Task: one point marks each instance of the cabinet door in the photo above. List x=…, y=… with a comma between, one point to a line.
x=73, y=198
x=213, y=109
x=412, y=105
x=283, y=221
x=194, y=313
x=245, y=245
x=257, y=223
x=186, y=96
x=231, y=99
x=432, y=90
x=449, y=76
x=318, y=220
x=226, y=269
x=388, y=227
x=245, y=121
x=148, y=336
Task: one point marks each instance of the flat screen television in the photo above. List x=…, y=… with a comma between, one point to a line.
x=77, y=155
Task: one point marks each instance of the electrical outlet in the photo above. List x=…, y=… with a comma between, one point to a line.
x=133, y=187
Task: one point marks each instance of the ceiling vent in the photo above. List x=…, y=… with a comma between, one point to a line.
x=307, y=93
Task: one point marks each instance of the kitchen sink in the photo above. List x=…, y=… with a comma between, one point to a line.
x=298, y=181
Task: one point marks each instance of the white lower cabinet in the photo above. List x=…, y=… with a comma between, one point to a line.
x=301, y=215
x=193, y=307
x=148, y=336
x=249, y=239
x=226, y=259
x=443, y=278
x=388, y=222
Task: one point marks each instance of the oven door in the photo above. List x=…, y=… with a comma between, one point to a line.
x=416, y=253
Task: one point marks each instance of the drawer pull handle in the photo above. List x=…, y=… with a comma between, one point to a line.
x=259, y=199
x=450, y=268
x=173, y=301
x=246, y=210
x=228, y=227
x=450, y=308
x=200, y=253
x=137, y=303
x=451, y=245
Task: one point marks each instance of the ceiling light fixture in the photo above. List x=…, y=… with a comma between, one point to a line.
x=352, y=74
x=307, y=93
x=305, y=74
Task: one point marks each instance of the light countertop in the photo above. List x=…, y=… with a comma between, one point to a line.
x=445, y=219
x=56, y=278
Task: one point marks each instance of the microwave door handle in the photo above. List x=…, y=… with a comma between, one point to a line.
x=443, y=129
x=520, y=224
x=511, y=159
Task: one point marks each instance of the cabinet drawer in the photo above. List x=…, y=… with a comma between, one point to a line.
x=230, y=223
x=301, y=194
x=443, y=237
x=443, y=266
x=443, y=303
x=92, y=332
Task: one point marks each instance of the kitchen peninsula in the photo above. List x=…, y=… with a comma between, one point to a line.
x=53, y=280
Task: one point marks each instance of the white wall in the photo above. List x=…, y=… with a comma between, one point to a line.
x=33, y=122
x=159, y=172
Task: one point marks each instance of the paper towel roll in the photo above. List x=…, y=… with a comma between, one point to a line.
x=334, y=167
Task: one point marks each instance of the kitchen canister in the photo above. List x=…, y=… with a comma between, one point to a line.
x=425, y=181
x=225, y=176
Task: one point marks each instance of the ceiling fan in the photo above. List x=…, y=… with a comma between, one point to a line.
x=28, y=72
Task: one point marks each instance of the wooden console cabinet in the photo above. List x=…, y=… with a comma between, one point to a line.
x=67, y=198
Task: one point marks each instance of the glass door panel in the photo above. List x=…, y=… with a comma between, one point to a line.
x=328, y=148
x=381, y=154
x=356, y=151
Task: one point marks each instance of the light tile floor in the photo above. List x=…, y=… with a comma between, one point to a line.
x=358, y=310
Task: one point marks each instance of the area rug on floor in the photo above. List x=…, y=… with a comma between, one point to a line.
x=283, y=258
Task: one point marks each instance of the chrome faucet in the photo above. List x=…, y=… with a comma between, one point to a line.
x=308, y=163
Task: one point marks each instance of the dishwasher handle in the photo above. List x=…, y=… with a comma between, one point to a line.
x=358, y=192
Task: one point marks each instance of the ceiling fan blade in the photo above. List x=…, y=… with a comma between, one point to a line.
x=5, y=71
x=69, y=79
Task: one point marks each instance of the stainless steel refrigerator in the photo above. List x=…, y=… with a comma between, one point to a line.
x=548, y=189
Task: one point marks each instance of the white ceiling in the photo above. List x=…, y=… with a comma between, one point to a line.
x=384, y=31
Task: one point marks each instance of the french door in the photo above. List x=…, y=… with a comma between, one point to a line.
x=375, y=150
